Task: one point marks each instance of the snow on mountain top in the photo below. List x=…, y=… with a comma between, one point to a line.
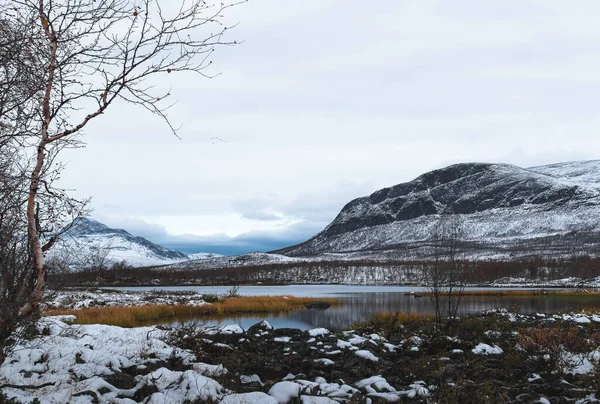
x=89, y=226
x=203, y=256
x=250, y=259
x=581, y=172
x=90, y=240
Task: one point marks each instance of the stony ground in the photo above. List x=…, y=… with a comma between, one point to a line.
x=495, y=357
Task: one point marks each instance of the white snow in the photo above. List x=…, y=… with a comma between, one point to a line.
x=265, y=325
x=77, y=299
x=176, y=387
x=417, y=389
x=251, y=379
x=94, y=239
x=324, y=361
x=317, y=400
x=379, y=382
x=255, y=397
x=74, y=358
x=284, y=391
x=209, y=370
x=231, y=329
x=366, y=355
x=580, y=364
x=318, y=331
x=485, y=349
x=389, y=397
x=357, y=340
x=582, y=319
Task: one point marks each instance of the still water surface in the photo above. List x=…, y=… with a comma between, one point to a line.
x=362, y=302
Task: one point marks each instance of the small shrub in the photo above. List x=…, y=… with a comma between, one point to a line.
x=208, y=298
x=553, y=343
x=394, y=324
x=233, y=292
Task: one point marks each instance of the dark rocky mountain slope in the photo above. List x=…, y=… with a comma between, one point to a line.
x=501, y=207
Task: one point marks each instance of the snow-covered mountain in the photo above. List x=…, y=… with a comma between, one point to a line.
x=501, y=207
x=203, y=256
x=90, y=242
x=243, y=260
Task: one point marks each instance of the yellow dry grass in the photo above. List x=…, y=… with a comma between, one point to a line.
x=133, y=316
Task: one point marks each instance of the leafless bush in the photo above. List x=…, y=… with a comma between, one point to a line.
x=63, y=63
x=445, y=274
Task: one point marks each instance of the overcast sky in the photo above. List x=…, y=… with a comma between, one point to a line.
x=326, y=101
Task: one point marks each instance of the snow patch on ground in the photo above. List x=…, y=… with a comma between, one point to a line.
x=366, y=355
x=72, y=360
x=485, y=349
x=318, y=331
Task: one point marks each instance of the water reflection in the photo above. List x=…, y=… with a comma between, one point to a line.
x=362, y=306
x=277, y=321
x=363, y=302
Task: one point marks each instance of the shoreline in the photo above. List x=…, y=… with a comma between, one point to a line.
x=565, y=283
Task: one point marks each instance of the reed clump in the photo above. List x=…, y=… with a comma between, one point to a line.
x=133, y=316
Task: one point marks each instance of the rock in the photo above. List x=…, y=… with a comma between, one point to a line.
x=226, y=338
x=294, y=333
x=120, y=380
x=78, y=358
x=91, y=393
x=259, y=328
x=319, y=305
x=145, y=391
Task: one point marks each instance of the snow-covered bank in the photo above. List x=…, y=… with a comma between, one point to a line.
x=97, y=363
x=84, y=298
x=85, y=364
x=523, y=282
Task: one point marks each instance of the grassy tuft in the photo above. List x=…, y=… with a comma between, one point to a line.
x=390, y=324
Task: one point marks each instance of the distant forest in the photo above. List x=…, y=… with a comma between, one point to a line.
x=333, y=272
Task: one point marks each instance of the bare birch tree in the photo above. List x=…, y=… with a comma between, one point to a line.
x=63, y=64
x=445, y=272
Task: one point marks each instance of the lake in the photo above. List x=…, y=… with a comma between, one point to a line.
x=362, y=302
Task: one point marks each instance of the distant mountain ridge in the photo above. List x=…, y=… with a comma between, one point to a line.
x=87, y=227
x=497, y=202
x=87, y=237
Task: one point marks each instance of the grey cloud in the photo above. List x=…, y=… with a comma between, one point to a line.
x=136, y=226
x=243, y=243
x=262, y=208
x=263, y=215
x=264, y=240
x=316, y=207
